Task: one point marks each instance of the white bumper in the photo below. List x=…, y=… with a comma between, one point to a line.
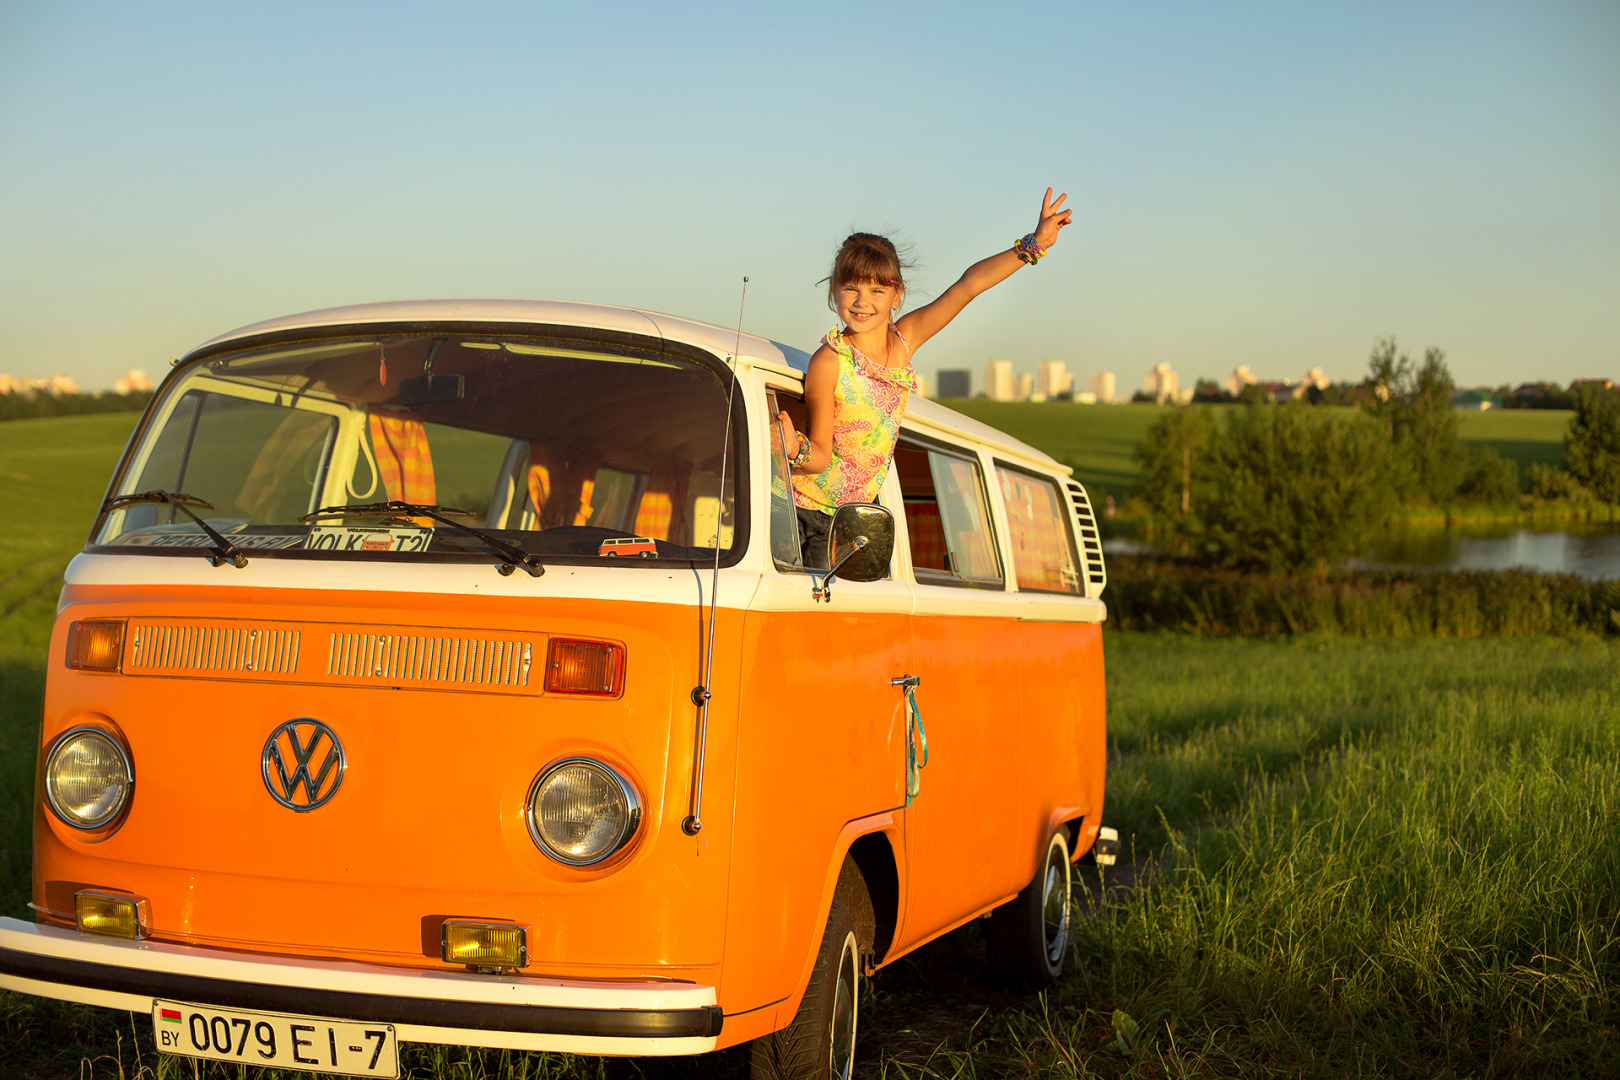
x=522, y=1013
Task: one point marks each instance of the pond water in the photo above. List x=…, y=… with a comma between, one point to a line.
x=1588, y=551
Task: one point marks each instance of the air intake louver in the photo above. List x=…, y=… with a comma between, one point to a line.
x=1090, y=540
x=412, y=658
x=430, y=659
x=159, y=647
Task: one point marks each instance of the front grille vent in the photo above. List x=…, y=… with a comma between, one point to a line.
x=159, y=647
x=446, y=661
x=1090, y=540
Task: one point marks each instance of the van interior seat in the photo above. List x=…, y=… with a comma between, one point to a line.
x=927, y=534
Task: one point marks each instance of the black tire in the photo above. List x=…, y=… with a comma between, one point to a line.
x=1027, y=939
x=820, y=1042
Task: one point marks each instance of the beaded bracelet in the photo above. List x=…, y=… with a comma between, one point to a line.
x=803, y=454
x=1028, y=250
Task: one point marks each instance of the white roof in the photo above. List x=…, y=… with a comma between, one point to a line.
x=715, y=339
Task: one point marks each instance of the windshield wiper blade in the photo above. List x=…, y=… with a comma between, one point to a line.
x=223, y=550
x=515, y=557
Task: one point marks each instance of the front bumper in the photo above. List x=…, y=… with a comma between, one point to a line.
x=633, y=1017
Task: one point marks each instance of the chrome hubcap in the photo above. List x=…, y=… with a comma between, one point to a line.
x=841, y=1032
x=1055, y=906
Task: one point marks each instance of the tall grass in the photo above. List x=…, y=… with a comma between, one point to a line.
x=1373, y=858
x=1164, y=594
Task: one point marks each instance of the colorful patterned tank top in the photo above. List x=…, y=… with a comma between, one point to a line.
x=866, y=421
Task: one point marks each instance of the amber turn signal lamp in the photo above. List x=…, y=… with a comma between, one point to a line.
x=484, y=944
x=584, y=667
x=109, y=914
x=95, y=644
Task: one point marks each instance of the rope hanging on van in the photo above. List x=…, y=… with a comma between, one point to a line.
x=916, y=738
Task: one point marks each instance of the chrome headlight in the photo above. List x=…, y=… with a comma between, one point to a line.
x=581, y=811
x=87, y=778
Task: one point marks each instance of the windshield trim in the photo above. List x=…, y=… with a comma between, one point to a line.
x=562, y=336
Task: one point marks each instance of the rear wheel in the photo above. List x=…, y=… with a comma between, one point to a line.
x=820, y=1042
x=1028, y=938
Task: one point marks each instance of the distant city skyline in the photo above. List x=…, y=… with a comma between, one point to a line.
x=1270, y=184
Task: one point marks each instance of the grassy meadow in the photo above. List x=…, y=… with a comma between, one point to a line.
x=1343, y=856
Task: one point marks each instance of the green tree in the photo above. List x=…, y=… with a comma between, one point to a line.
x=1429, y=441
x=1413, y=406
x=1292, y=489
x=1173, y=455
x=1592, y=444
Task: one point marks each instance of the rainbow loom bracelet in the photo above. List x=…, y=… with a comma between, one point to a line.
x=1028, y=250
x=803, y=454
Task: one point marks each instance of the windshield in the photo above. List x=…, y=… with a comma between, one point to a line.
x=555, y=449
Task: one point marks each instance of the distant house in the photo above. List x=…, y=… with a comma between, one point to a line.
x=1283, y=391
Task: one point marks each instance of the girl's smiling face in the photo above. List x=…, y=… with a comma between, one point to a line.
x=866, y=304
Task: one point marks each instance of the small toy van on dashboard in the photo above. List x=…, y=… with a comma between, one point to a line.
x=358, y=730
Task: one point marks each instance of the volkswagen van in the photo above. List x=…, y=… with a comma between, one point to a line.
x=450, y=672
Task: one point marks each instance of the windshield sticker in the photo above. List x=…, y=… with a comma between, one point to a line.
x=628, y=545
x=324, y=537
x=189, y=536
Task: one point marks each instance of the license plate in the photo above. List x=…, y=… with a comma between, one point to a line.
x=272, y=1040
x=396, y=537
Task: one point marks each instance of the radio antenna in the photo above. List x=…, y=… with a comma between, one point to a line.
x=700, y=693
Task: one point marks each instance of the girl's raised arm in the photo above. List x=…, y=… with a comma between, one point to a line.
x=920, y=325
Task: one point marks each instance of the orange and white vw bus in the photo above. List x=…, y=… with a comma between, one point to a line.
x=362, y=728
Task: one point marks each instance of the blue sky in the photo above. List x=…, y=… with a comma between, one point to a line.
x=1269, y=184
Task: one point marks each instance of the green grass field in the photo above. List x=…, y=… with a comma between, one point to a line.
x=1343, y=858
x=1100, y=440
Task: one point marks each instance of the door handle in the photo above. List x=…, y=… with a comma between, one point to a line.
x=906, y=680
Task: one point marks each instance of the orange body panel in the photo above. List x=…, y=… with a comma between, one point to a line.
x=429, y=820
x=819, y=744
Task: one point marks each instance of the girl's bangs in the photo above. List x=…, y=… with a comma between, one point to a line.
x=867, y=265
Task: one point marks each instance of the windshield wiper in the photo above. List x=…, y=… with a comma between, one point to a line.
x=223, y=550
x=515, y=557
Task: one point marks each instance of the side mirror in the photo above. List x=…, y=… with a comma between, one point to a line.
x=869, y=561
x=860, y=541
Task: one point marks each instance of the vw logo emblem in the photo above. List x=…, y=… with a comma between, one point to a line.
x=303, y=764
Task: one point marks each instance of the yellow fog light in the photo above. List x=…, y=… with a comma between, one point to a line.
x=484, y=944
x=110, y=914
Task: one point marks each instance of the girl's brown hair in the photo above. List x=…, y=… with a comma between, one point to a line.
x=866, y=257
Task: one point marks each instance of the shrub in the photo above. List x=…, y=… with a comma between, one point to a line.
x=1293, y=489
x=1550, y=482
x=1592, y=444
x=29, y=406
x=1490, y=478
x=1146, y=593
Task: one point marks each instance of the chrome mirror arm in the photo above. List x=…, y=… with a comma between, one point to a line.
x=822, y=587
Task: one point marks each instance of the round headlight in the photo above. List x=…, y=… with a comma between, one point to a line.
x=87, y=778
x=581, y=811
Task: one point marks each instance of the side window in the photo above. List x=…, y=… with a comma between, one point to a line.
x=784, y=519
x=947, y=517
x=1042, y=549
